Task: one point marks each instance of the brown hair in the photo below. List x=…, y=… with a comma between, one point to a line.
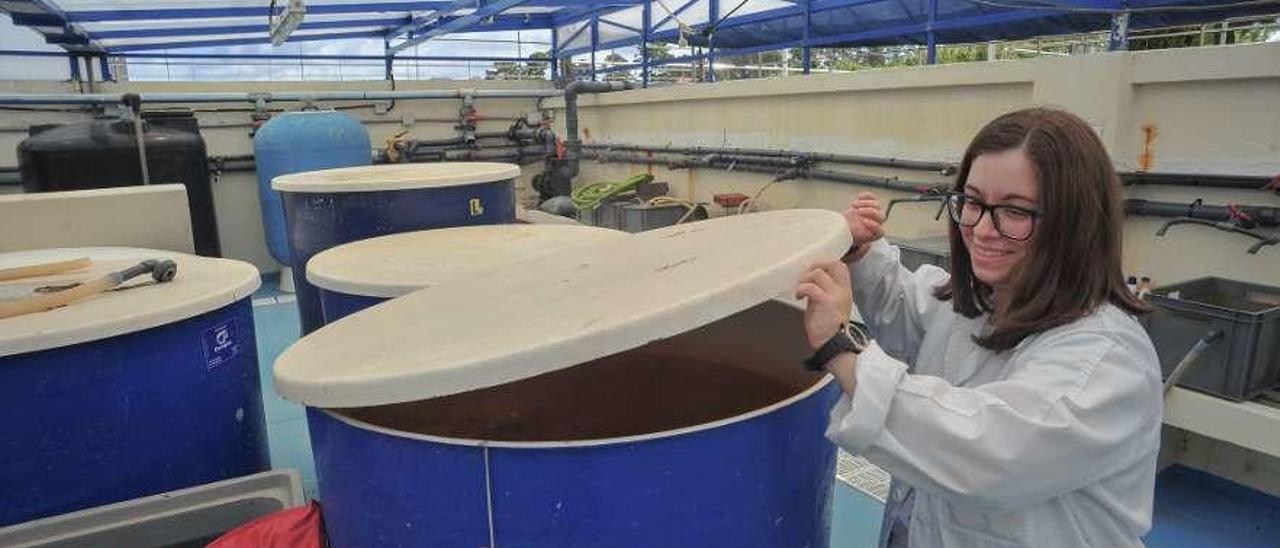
x=1074, y=262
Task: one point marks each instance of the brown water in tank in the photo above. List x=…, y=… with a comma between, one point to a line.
x=627, y=394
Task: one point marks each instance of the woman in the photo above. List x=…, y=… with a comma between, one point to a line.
x=1020, y=401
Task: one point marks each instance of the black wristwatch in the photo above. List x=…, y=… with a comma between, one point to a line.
x=852, y=337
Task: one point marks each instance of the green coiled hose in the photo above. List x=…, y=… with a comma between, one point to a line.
x=589, y=197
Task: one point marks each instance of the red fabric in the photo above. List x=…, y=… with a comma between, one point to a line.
x=293, y=528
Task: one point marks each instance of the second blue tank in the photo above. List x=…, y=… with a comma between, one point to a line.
x=295, y=142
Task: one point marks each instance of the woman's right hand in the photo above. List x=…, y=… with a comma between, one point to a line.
x=866, y=222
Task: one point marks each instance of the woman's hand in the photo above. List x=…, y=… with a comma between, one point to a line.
x=829, y=295
x=866, y=223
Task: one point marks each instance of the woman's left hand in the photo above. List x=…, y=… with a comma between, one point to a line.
x=829, y=295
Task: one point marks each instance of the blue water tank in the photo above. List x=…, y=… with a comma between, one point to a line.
x=103, y=407
x=294, y=142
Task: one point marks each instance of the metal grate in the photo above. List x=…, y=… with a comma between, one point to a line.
x=860, y=474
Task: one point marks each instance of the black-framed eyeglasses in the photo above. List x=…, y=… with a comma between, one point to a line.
x=1012, y=222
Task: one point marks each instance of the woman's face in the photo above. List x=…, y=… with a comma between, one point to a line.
x=999, y=178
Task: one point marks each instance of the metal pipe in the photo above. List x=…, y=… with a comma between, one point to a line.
x=1260, y=215
x=1197, y=179
x=293, y=96
x=889, y=183
x=941, y=167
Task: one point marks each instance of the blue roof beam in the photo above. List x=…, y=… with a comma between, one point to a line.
x=573, y=6
x=239, y=29
x=483, y=11
x=674, y=14
x=146, y=14
x=264, y=39
x=50, y=21
x=506, y=22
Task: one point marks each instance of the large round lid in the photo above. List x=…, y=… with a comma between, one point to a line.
x=395, y=177
x=202, y=284
x=557, y=311
x=391, y=266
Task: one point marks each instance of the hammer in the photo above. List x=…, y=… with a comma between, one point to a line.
x=162, y=270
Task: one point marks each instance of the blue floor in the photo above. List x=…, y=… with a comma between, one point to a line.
x=277, y=326
x=1197, y=509
x=1193, y=509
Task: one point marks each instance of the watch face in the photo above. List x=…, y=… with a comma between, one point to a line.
x=858, y=335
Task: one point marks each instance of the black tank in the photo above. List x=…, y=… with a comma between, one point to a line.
x=104, y=153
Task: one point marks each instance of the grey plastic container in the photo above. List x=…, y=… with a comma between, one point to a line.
x=185, y=518
x=934, y=250
x=1246, y=361
x=641, y=217
x=606, y=215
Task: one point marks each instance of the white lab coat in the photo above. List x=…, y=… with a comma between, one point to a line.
x=1050, y=444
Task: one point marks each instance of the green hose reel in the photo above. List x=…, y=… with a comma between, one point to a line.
x=591, y=196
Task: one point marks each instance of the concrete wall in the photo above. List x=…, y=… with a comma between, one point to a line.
x=1213, y=110
x=227, y=133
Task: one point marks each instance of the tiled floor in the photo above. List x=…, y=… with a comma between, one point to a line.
x=276, y=327
x=1192, y=509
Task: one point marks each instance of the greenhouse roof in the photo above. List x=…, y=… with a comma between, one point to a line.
x=579, y=26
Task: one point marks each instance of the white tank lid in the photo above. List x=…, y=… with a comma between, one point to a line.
x=394, y=265
x=395, y=177
x=202, y=284
x=557, y=311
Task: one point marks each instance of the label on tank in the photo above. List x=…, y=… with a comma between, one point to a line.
x=221, y=344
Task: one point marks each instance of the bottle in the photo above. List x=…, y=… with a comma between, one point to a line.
x=1132, y=282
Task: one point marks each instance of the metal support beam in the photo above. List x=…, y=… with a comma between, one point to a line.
x=683, y=8
x=646, y=22
x=264, y=39
x=595, y=42
x=460, y=24
x=806, y=51
x=1118, y=39
x=239, y=29
x=75, y=67
x=555, y=54
x=931, y=37
x=389, y=59
x=713, y=15
x=106, y=69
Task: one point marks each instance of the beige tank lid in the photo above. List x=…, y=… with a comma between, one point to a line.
x=557, y=311
x=395, y=177
x=202, y=285
x=394, y=265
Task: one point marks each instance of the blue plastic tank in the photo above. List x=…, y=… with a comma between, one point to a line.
x=294, y=142
x=562, y=401
x=327, y=208
x=131, y=393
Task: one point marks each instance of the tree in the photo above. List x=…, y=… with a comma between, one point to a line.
x=515, y=70
x=614, y=59
x=662, y=73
